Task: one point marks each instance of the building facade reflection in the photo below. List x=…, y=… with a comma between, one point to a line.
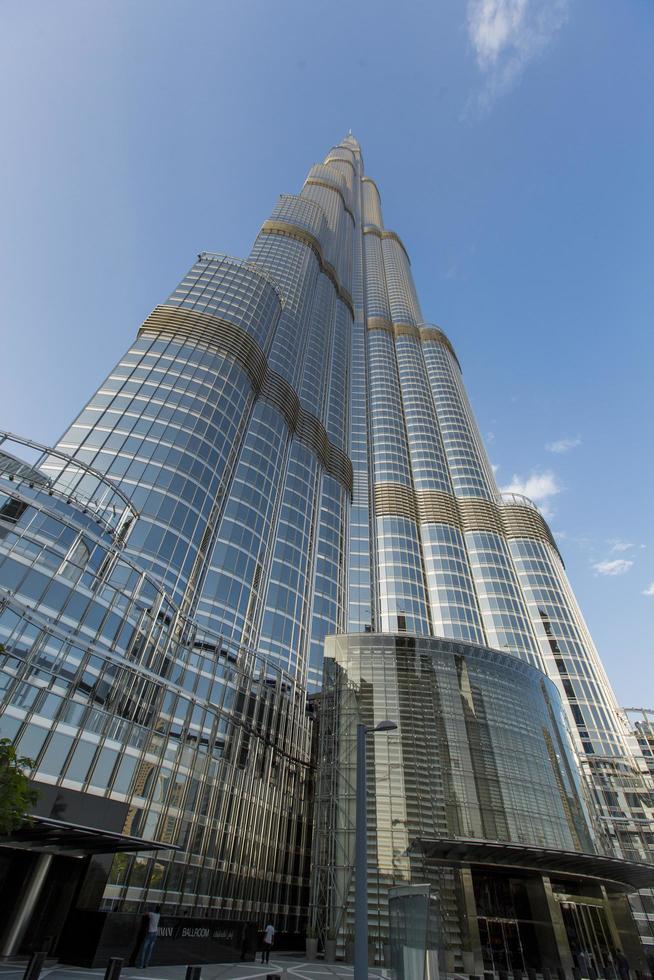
x=477, y=796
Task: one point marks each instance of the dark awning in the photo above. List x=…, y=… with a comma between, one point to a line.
x=628, y=876
x=60, y=837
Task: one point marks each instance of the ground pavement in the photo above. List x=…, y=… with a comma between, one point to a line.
x=282, y=965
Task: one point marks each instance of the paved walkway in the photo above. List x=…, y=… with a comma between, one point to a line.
x=285, y=966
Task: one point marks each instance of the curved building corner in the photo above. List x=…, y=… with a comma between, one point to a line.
x=478, y=796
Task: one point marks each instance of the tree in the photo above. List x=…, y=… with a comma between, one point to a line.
x=16, y=795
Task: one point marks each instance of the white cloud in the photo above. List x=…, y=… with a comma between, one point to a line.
x=618, y=566
x=649, y=590
x=539, y=487
x=620, y=546
x=563, y=445
x=507, y=34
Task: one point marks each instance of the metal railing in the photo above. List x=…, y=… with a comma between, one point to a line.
x=243, y=264
x=516, y=498
x=69, y=479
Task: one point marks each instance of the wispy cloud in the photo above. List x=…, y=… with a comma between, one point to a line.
x=538, y=486
x=649, y=590
x=507, y=34
x=617, y=547
x=617, y=566
x=563, y=445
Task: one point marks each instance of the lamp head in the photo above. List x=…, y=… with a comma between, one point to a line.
x=385, y=726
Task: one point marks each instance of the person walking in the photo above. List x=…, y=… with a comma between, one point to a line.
x=623, y=965
x=268, y=940
x=150, y=928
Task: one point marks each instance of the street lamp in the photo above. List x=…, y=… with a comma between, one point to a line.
x=361, y=852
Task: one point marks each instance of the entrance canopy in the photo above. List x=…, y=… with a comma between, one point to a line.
x=628, y=876
x=60, y=837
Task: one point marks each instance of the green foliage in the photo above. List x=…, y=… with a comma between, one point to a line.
x=15, y=792
x=119, y=868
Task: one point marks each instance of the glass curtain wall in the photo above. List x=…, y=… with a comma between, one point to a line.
x=286, y=452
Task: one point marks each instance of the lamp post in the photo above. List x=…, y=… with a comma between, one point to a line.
x=361, y=852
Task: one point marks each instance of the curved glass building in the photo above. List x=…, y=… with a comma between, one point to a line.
x=287, y=453
x=478, y=796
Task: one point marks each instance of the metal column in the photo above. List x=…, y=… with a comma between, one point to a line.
x=361, y=864
x=25, y=905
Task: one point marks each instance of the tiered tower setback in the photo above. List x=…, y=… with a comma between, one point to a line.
x=285, y=453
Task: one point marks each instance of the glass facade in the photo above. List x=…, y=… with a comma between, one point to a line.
x=477, y=796
x=285, y=453
x=114, y=692
x=641, y=725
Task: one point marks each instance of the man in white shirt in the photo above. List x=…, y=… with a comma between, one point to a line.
x=150, y=928
x=268, y=939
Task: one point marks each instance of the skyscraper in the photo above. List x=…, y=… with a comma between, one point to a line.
x=286, y=453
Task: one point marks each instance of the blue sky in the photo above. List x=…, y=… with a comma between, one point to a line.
x=513, y=143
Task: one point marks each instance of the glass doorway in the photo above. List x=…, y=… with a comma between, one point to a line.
x=501, y=945
x=589, y=936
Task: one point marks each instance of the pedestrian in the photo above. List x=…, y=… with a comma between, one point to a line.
x=268, y=940
x=585, y=964
x=623, y=965
x=245, y=940
x=149, y=928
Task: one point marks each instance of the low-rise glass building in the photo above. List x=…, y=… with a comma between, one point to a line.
x=477, y=795
x=168, y=762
